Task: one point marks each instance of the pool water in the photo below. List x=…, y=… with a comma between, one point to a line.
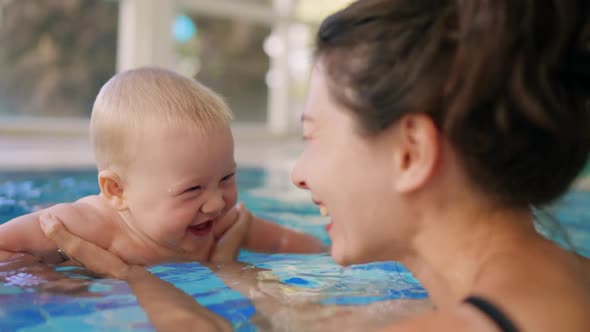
x=292, y=293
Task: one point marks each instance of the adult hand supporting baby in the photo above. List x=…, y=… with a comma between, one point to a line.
x=231, y=239
x=167, y=307
x=93, y=257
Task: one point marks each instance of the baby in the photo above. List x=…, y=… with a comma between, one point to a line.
x=166, y=172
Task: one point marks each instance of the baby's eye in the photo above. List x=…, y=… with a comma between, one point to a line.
x=195, y=188
x=227, y=177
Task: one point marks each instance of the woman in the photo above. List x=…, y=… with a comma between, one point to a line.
x=432, y=128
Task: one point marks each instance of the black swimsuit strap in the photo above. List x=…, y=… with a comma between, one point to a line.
x=495, y=314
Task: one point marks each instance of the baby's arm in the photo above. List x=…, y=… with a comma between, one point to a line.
x=267, y=236
x=240, y=229
x=24, y=235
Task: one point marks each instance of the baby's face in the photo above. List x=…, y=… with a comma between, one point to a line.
x=180, y=185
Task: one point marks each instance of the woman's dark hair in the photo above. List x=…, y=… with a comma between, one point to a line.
x=506, y=81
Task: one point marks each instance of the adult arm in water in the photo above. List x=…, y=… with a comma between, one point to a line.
x=167, y=307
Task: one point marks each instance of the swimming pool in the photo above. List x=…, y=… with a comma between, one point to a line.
x=294, y=292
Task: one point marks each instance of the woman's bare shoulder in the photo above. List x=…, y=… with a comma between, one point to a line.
x=553, y=297
x=541, y=289
x=459, y=318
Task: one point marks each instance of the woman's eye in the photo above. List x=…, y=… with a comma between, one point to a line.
x=227, y=177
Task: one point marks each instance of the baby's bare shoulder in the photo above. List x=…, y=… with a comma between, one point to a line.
x=90, y=218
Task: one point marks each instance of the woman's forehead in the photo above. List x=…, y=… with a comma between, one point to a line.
x=318, y=97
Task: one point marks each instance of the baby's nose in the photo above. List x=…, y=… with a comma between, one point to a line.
x=214, y=204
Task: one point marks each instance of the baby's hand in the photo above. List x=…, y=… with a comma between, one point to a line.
x=230, y=236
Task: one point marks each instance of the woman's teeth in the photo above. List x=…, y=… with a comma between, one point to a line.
x=324, y=211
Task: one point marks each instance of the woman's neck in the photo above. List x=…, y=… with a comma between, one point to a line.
x=454, y=244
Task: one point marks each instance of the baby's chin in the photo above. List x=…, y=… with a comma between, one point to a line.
x=197, y=248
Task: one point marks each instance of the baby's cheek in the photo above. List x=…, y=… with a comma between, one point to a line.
x=227, y=220
x=231, y=198
x=175, y=222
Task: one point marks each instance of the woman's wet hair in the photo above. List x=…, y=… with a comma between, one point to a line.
x=506, y=81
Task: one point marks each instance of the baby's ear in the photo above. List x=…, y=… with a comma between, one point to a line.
x=111, y=188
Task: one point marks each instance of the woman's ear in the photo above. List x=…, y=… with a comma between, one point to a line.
x=417, y=154
x=112, y=189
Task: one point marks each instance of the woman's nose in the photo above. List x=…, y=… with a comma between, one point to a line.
x=297, y=177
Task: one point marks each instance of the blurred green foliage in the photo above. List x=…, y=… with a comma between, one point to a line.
x=55, y=55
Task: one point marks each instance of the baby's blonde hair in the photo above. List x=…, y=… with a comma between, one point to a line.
x=132, y=98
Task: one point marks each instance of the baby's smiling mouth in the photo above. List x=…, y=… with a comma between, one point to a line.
x=201, y=229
